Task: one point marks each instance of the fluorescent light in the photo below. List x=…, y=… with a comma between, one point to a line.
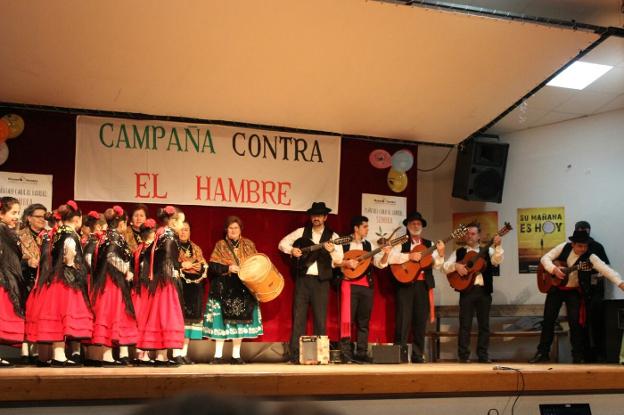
x=579, y=75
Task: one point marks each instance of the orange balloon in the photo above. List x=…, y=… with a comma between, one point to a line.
x=4, y=130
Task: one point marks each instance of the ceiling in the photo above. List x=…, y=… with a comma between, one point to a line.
x=551, y=104
x=352, y=67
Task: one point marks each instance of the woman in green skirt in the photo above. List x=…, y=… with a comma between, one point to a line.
x=232, y=312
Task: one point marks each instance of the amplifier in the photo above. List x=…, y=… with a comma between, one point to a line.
x=314, y=350
x=386, y=353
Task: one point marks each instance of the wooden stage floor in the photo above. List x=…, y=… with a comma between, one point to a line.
x=284, y=380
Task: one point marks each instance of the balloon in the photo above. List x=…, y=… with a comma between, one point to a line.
x=4, y=153
x=4, y=131
x=397, y=181
x=402, y=160
x=16, y=124
x=380, y=159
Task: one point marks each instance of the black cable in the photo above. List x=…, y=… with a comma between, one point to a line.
x=439, y=164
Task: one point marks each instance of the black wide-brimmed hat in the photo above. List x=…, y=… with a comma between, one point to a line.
x=415, y=216
x=581, y=237
x=318, y=208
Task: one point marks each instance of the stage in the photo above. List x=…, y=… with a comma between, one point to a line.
x=370, y=381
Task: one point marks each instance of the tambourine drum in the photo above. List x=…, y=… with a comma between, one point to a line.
x=261, y=277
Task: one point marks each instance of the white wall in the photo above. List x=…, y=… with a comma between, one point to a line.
x=578, y=164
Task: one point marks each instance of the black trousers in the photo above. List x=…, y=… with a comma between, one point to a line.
x=309, y=291
x=475, y=300
x=554, y=299
x=412, y=313
x=613, y=330
x=594, y=330
x=361, y=308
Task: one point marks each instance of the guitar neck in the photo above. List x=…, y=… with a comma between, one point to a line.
x=433, y=247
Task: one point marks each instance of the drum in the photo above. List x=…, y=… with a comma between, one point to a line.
x=261, y=277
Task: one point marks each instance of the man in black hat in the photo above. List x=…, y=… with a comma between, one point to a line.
x=570, y=253
x=312, y=280
x=593, y=289
x=413, y=299
x=477, y=299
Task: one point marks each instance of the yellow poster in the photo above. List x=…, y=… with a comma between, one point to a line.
x=539, y=230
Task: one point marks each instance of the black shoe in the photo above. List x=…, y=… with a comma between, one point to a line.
x=187, y=361
x=125, y=361
x=114, y=363
x=485, y=360
x=165, y=363
x=77, y=358
x=362, y=358
x=144, y=363
x=5, y=364
x=416, y=358
x=237, y=361
x=578, y=360
x=179, y=360
x=540, y=358
x=67, y=363
x=92, y=363
x=28, y=361
x=218, y=361
x=463, y=360
x=41, y=363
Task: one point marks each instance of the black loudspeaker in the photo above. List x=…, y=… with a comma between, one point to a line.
x=480, y=170
x=565, y=409
x=386, y=354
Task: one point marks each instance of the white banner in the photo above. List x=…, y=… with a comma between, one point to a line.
x=27, y=188
x=148, y=161
x=385, y=214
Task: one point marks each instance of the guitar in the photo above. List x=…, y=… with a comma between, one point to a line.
x=546, y=280
x=475, y=263
x=364, y=258
x=310, y=254
x=407, y=271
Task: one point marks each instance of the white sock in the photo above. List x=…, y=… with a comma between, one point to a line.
x=185, y=347
x=176, y=352
x=24, y=349
x=219, y=349
x=161, y=355
x=75, y=348
x=34, y=349
x=107, y=354
x=123, y=352
x=236, y=346
x=143, y=355
x=58, y=351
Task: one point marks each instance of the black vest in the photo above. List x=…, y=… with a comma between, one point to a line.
x=584, y=277
x=487, y=273
x=366, y=246
x=324, y=261
x=405, y=249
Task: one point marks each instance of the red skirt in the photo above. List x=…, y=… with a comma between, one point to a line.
x=11, y=325
x=162, y=325
x=113, y=324
x=33, y=308
x=140, y=300
x=62, y=313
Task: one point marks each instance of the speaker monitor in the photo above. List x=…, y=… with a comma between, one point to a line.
x=480, y=170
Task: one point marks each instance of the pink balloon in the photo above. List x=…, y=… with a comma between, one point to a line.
x=380, y=159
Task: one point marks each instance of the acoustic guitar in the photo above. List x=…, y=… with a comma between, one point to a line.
x=364, y=258
x=408, y=271
x=475, y=263
x=310, y=252
x=546, y=280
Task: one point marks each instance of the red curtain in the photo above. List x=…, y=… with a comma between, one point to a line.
x=47, y=146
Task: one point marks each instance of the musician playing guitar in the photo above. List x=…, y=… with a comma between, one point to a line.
x=311, y=280
x=478, y=297
x=356, y=295
x=414, y=300
x=577, y=250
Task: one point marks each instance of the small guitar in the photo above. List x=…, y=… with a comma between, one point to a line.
x=546, y=280
x=475, y=263
x=364, y=258
x=310, y=252
x=407, y=271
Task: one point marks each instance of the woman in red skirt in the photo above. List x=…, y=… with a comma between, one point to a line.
x=64, y=312
x=163, y=322
x=115, y=320
x=12, y=284
x=140, y=283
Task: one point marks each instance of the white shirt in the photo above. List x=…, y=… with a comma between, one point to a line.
x=398, y=257
x=496, y=258
x=598, y=264
x=286, y=246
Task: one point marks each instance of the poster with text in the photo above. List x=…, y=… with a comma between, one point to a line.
x=385, y=214
x=539, y=230
x=27, y=188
